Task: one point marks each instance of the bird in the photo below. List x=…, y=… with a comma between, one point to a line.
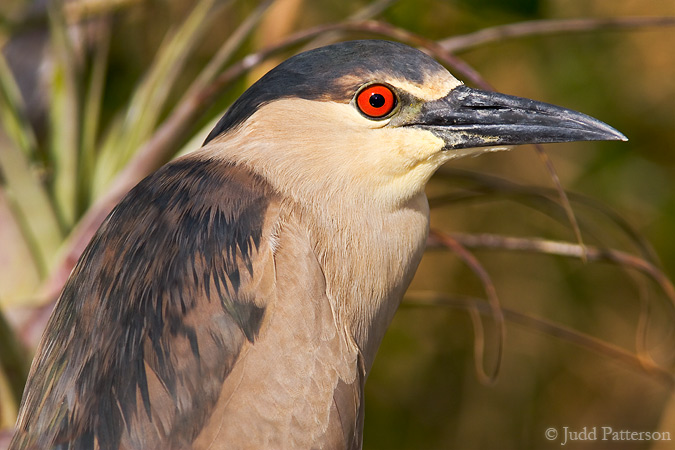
x=236, y=297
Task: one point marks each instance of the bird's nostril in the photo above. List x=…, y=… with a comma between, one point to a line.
x=488, y=107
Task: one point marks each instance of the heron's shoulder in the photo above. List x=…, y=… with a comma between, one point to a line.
x=171, y=275
x=198, y=181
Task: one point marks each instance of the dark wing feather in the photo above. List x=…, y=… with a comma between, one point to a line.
x=154, y=314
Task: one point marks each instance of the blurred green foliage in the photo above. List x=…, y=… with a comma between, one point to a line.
x=86, y=85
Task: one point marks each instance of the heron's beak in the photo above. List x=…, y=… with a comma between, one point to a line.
x=468, y=118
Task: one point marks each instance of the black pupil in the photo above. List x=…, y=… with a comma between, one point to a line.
x=376, y=100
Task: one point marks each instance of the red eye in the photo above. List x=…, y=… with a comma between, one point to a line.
x=376, y=101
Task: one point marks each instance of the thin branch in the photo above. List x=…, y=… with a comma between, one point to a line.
x=549, y=247
x=425, y=298
x=500, y=186
x=549, y=27
x=537, y=198
x=494, y=307
x=562, y=197
x=581, y=252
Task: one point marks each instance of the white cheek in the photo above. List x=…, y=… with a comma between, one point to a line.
x=330, y=150
x=410, y=146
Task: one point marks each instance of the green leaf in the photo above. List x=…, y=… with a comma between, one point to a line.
x=91, y=117
x=64, y=116
x=30, y=202
x=142, y=115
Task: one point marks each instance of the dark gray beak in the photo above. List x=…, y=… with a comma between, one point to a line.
x=468, y=118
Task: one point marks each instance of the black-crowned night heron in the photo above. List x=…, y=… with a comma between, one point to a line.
x=236, y=298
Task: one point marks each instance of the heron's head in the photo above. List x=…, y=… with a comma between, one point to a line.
x=375, y=119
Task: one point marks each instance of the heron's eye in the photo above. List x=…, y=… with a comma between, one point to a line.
x=376, y=101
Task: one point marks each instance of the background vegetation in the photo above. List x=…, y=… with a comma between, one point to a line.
x=95, y=94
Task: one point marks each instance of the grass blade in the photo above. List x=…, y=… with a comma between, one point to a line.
x=25, y=191
x=63, y=118
x=143, y=113
x=91, y=116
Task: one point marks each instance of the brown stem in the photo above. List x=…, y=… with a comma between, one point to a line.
x=495, y=308
x=548, y=27
x=536, y=245
x=423, y=298
x=562, y=196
